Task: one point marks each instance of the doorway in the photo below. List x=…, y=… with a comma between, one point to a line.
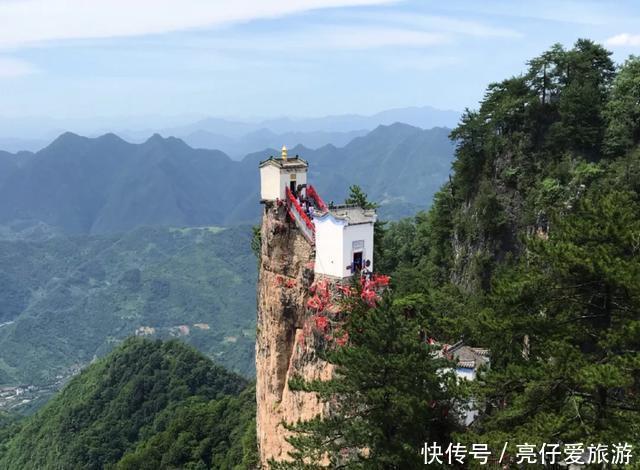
x=357, y=261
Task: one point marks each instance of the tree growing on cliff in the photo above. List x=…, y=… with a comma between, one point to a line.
x=564, y=330
x=389, y=394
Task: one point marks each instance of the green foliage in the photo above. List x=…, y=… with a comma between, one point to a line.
x=532, y=250
x=256, y=241
x=200, y=434
x=359, y=198
x=563, y=326
x=527, y=153
x=623, y=110
x=389, y=395
x=144, y=391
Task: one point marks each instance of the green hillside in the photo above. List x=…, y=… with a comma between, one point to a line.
x=148, y=404
x=64, y=301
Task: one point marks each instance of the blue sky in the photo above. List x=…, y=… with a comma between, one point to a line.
x=166, y=58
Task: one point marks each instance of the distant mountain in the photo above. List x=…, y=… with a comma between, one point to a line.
x=7, y=166
x=260, y=139
x=234, y=137
x=17, y=145
x=238, y=138
x=146, y=405
x=399, y=166
x=424, y=117
x=66, y=300
x=106, y=185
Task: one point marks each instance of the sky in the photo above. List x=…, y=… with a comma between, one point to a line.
x=162, y=61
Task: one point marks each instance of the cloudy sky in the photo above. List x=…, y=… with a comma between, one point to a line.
x=242, y=58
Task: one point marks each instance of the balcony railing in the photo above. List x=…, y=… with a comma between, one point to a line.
x=318, y=202
x=303, y=222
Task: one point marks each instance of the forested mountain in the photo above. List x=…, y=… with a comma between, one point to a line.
x=66, y=300
x=148, y=404
x=106, y=185
x=532, y=251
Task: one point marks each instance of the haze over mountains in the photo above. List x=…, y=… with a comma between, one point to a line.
x=105, y=185
x=236, y=137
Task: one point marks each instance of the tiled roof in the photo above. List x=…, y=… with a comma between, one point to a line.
x=353, y=215
x=291, y=162
x=465, y=356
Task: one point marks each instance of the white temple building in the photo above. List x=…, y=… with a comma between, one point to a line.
x=342, y=235
x=276, y=174
x=344, y=241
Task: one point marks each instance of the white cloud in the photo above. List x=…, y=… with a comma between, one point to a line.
x=314, y=38
x=28, y=21
x=442, y=23
x=10, y=68
x=372, y=37
x=624, y=39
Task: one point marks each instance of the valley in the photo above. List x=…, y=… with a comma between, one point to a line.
x=68, y=300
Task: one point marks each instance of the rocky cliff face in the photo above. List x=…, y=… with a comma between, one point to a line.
x=285, y=276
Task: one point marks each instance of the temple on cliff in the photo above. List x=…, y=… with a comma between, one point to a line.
x=307, y=250
x=342, y=235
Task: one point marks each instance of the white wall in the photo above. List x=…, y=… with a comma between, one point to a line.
x=334, y=245
x=285, y=179
x=355, y=233
x=274, y=180
x=269, y=183
x=329, y=243
x=301, y=177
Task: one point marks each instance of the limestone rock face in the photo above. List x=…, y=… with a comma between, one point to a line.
x=285, y=275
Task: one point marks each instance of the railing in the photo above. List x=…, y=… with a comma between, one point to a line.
x=302, y=220
x=319, y=203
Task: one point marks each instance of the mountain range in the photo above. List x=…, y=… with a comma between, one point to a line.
x=238, y=147
x=236, y=137
x=106, y=185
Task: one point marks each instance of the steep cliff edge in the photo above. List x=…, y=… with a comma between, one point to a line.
x=284, y=278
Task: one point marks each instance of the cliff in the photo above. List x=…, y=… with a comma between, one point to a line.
x=283, y=349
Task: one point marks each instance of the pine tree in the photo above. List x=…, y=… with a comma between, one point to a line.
x=389, y=396
x=564, y=330
x=623, y=110
x=358, y=197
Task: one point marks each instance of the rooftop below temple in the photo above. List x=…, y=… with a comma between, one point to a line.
x=352, y=214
